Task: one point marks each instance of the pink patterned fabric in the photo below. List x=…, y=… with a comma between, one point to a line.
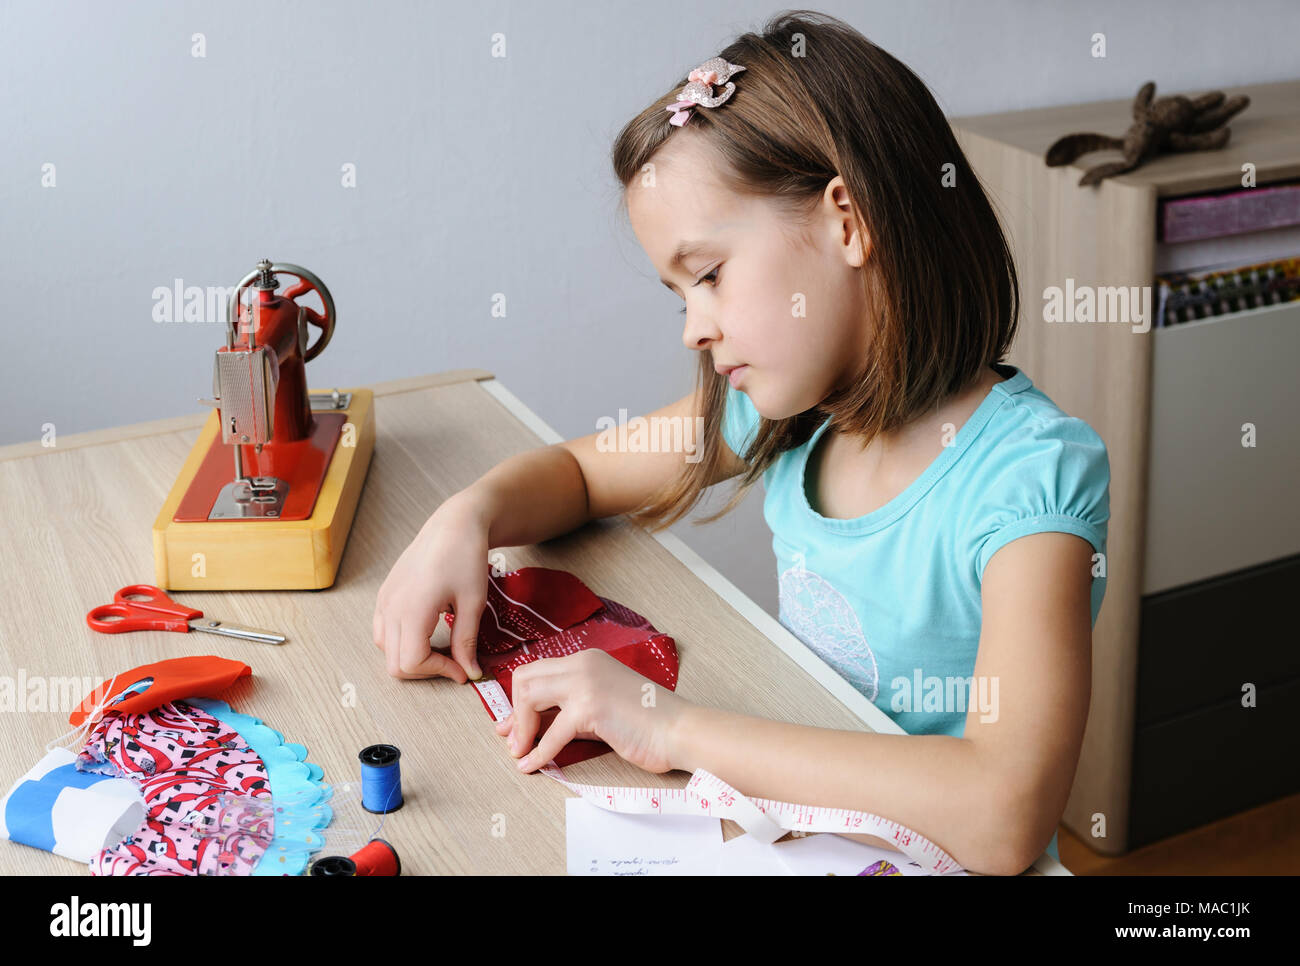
x=186, y=763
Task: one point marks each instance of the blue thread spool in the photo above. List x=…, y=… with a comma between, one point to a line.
x=381, y=779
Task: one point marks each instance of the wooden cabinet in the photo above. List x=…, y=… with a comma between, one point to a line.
x=1203, y=547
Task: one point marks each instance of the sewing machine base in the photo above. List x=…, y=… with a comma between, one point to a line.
x=263, y=553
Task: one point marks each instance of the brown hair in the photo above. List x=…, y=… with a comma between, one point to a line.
x=817, y=99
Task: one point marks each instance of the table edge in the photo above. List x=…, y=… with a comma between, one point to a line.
x=172, y=424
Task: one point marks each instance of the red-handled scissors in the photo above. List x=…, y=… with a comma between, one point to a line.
x=144, y=607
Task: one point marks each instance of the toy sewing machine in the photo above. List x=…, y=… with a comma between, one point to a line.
x=267, y=496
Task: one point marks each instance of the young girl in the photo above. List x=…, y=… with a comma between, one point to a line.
x=938, y=523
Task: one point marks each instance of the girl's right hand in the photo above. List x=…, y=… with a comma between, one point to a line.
x=444, y=568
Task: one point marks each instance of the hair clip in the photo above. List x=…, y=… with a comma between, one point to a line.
x=699, y=88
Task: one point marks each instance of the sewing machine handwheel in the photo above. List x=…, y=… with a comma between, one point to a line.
x=308, y=282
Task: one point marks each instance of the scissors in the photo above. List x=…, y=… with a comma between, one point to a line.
x=144, y=607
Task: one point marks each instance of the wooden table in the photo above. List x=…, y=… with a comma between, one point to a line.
x=77, y=524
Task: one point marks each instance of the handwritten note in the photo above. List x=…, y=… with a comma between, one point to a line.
x=601, y=842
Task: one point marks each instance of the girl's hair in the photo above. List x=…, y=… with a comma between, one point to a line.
x=817, y=99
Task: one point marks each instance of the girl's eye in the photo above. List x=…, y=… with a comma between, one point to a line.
x=714, y=275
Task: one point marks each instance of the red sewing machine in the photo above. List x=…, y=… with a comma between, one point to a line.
x=266, y=498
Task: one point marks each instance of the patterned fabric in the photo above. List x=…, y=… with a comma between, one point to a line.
x=537, y=612
x=189, y=766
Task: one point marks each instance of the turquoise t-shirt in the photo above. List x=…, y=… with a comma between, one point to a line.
x=891, y=600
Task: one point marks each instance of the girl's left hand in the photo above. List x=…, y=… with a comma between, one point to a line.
x=598, y=698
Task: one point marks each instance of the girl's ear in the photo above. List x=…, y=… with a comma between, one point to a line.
x=849, y=234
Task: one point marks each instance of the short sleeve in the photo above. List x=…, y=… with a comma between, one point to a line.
x=740, y=421
x=1052, y=476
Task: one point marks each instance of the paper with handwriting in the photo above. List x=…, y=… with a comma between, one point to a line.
x=601, y=842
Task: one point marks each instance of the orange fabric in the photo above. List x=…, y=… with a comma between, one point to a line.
x=179, y=677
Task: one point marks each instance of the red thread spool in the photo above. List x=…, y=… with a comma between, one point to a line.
x=377, y=858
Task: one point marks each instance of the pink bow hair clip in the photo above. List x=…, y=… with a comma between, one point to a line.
x=699, y=88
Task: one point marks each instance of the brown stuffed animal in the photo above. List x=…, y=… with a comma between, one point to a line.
x=1168, y=124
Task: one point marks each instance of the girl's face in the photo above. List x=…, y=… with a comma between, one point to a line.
x=791, y=310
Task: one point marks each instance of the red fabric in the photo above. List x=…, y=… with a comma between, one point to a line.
x=177, y=678
x=515, y=632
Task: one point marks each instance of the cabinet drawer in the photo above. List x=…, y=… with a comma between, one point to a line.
x=1213, y=505
x=1197, y=645
x=1198, y=768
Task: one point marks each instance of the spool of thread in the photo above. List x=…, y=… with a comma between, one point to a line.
x=381, y=779
x=377, y=857
x=333, y=865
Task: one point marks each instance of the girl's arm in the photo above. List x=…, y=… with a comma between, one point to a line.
x=545, y=492
x=530, y=497
x=991, y=798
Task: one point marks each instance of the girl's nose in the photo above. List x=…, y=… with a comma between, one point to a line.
x=698, y=333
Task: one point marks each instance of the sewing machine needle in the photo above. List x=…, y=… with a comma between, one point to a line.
x=235, y=630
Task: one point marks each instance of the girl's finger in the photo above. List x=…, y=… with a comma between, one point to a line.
x=392, y=641
x=524, y=721
x=418, y=660
x=439, y=665
x=559, y=734
x=535, y=688
x=504, y=727
x=464, y=633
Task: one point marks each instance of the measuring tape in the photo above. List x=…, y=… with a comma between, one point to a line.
x=708, y=795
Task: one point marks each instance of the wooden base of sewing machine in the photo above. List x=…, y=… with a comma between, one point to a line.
x=262, y=554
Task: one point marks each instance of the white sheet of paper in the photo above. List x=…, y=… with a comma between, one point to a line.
x=601, y=842
x=826, y=854
x=745, y=855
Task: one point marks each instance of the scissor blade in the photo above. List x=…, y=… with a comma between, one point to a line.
x=235, y=630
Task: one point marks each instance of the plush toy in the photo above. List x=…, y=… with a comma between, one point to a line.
x=1165, y=124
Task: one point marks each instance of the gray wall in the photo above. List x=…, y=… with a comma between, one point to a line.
x=475, y=175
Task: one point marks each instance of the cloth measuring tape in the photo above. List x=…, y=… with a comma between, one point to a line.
x=708, y=795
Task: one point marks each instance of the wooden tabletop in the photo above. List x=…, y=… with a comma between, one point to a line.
x=76, y=527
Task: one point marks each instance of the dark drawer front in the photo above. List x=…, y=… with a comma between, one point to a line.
x=1197, y=768
x=1198, y=644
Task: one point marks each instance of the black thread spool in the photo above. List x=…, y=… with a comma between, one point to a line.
x=334, y=865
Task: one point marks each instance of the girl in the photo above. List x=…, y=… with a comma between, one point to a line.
x=938, y=522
